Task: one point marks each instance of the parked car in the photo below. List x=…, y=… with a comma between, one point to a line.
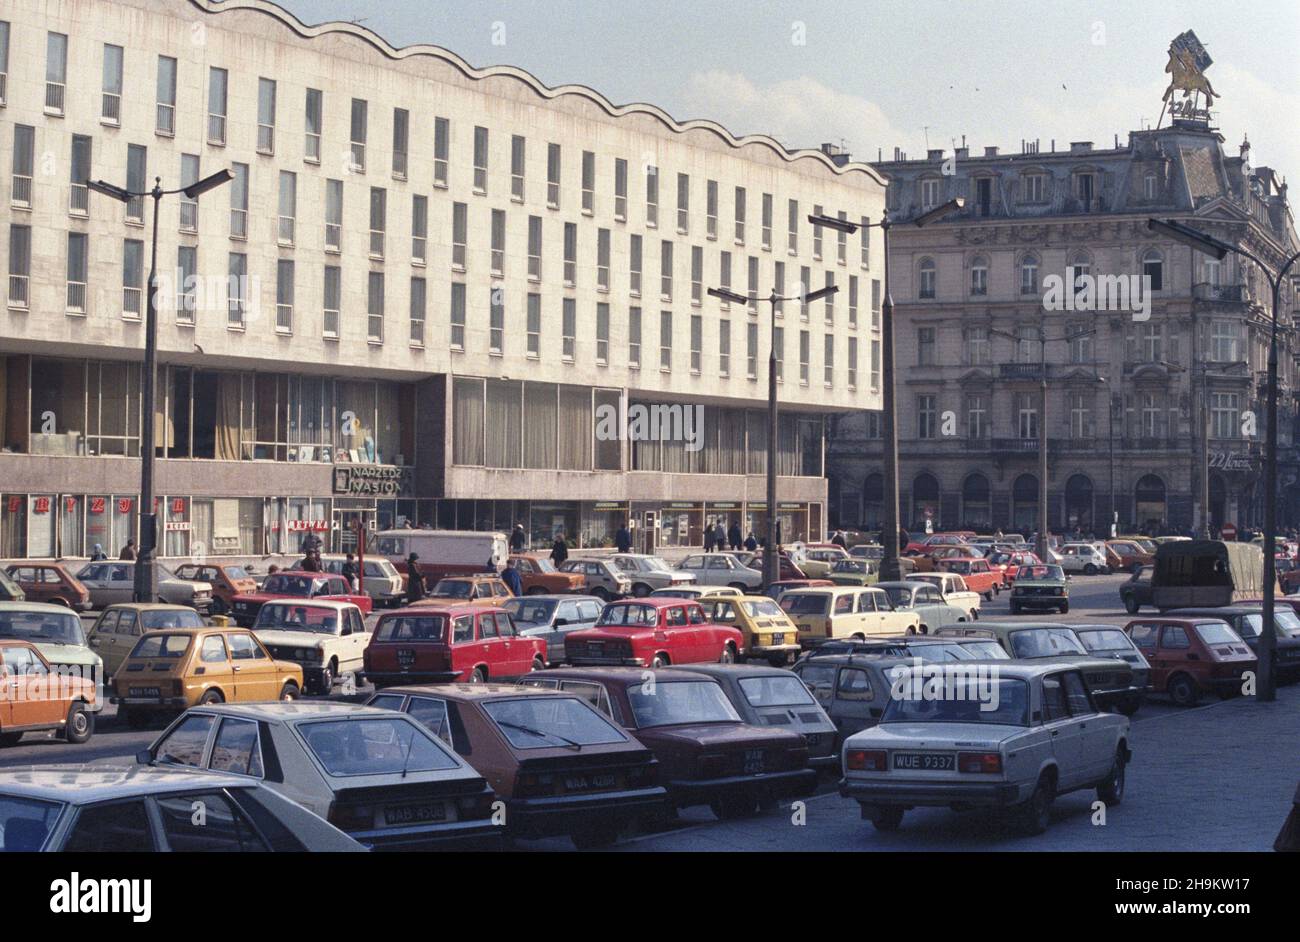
x=379, y=577
x=926, y=601
x=1040, y=588
x=1136, y=590
x=226, y=581
x=647, y=573
x=603, y=578
x=1111, y=641
x=786, y=568
x=954, y=590
x=926, y=648
x=10, y=591
x=295, y=584
x=380, y=777
x=56, y=632
x=1127, y=555
x=1083, y=557
x=699, y=593
x=1192, y=656
x=452, y=642
x=779, y=588
x=115, y=632
x=326, y=639
x=872, y=551
x=768, y=633
x=854, y=572
x=1045, y=737
x=651, y=632
x=1112, y=682
x=821, y=614
x=819, y=560
x=170, y=670
x=478, y=589
x=1288, y=575
x=1247, y=620
x=36, y=699
x=560, y=766
x=978, y=574
x=852, y=689
x=1010, y=563
x=135, y=809
x=110, y=582
x=50, y=582
x=553, y=618
x=1206, y=573
x=722, y=569
x=539, y=576
x=707, y=754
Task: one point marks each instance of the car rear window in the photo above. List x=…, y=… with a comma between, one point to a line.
x=453, y=588
x=237, y=572
x=632, y=615
x=1216, y=633
x=1045, y=642
x=775, y=691
x=546, y=722
x=812, y=603
x=162, y=645
x=689, y=701
x=186, y=618
x=411, y=628
x=375, y=746
x=763, y=609
x=1111, y=640
x=26, y=823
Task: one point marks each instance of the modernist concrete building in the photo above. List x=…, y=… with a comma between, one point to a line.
x=1131, y=385
x=425, y=285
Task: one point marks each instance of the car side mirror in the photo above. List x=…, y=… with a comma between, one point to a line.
x=561, y=622
x=143, y=757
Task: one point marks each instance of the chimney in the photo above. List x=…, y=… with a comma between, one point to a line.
x=934, y=154
x=838, y=155
x=1081, y=147
x=962, y=152
x=990, y=152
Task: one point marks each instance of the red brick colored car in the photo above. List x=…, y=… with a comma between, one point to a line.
x=1192, y=656
x=979, y=575
x=227, y=581
x=51, y=582
x=538, y=576
x=440, y=644
x=296, y=584
x=654, y=632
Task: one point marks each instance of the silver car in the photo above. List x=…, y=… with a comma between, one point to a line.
x=604, y=579
x=114, y=581
x=647, y=573
x=722, y=569
x=551, y=617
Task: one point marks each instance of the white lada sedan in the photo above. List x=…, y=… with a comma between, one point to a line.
x=1003, y=736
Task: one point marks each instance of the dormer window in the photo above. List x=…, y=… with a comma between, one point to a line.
x=1033, y=188
x=929, y=193
x=1149, y=186
x=1153, y=269
x=1085, y=188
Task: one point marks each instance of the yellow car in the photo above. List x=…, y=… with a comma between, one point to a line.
x=172, y=669
x=769, y=633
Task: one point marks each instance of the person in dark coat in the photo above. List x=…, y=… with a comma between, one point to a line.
x=708, y=537
x=838, y=540
x=128, y=551
x=352, y=572
x=518, y=539
x=311, y=562
x=751, y=542
x=414, y=580
x=623, y=539
x=559, y=550
x=733, y=536
x=510, y=576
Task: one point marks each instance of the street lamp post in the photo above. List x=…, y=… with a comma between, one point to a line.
x=146, y=576
x=890, y=570
x=771, y=552
x=1266, y=691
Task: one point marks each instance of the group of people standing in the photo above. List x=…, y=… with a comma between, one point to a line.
x=716, y=538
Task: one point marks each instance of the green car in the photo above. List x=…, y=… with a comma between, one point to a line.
x=1039, y=589
x=853, y=572
x=57, y=633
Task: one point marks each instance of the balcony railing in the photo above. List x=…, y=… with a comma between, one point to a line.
x=131, y=298
x=216, y=129
x=286, y=230
x=54, y=97
x=189, y=216
x=311, y=148
x=18, y=291
x=166, y=119
x=333, y=232
x=1021, y=370
x=21, y=195
x=4, y=88
x=1204, y=291
x=1018, y=445
x=111, y=109
x=376, y=243
x=266, y=139
x=79, y=200
x=77, y=297
x=418, y=249
x=399, y=165
x=284, y=318
x=239, y=224
x=358, y=157
x=331, y=325
x=417, y=333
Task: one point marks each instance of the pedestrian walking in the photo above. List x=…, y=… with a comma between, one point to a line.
x=708, y=537
x=97, y=554
x=414, y=580
x=510, y=576
x=559, y=549
x=352, y=572
x=719, y=537
x=518, y=539
x=128, y=551
x=734, y=537
x=623, y=538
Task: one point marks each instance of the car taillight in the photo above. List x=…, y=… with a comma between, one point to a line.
x=986, y=762
x=178, y=687
x=351, y=817
x=535, y=783
x=713, y=765
x=475, y=806
x=860, y=760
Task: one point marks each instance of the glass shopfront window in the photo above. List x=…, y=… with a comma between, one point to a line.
x=41, y=517
x=13, y=526
x=176, y=526
x=72, y=525
x=681, y=525
x=549, y=520
x=601, y=521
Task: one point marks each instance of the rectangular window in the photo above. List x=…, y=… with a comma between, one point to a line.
x=265, y=116
x=133, y=279
x=333, y=215
x=441, y=150
x=480, y=159
x=602, y=334
x=24, y=162
x=853, y=301
x=588, y=182
x=518, y=154
x=333, y=296
x=817, y=235
x=666, y=270
x=1224, y=416
x=1026, y=415
x=288, y=207
x=724, y=278
x=778, y=348
x=925, y=417
x=977, y=426
x=697, y=275
x=401, y=141
x=189, y=207
x=110, y=108
x=830, y=300
x=56, y=71
x=724, y=347
x=553, y=176
x=284, y=296
x=497, y=320
x=218, y=82
x=570, y=254
x=842, y=243
x=634, y=338
x=766, y=233
x=79, y=195
x=20, y=265
x=459, y=224
x=419, y=229
x=925, y=346
x=752, y=293
x=929, y=193
x=620, y=189
x=805, y=286
x=457, y=317
x=166, y=121
x=357, y=135
x=751, y=351
x=4, y=61
x=1033, y=187
x=602, y=260
x=740, y=215
x=314, y=107
x=1080, y=415
x=805, y=355
x=711, y=209
x=498, y=255
x=977, y=346
x=792, y=232
x=853, y=363
x=418, y=298
x=875, y=365
x=697, y=343
x=683, y=203
x=864, y=233
x=378, y=220
x=1079, y=340
x=569, y=329
x=778, y=287
x=1225, y=341
x=828, y=361
x=666, y=340
x=534, y=248
x=236, y=289
x=634, y=266
x=534, y=325
x=652, y=196
x=875, y=303
x=375, y=307
x=186, y=266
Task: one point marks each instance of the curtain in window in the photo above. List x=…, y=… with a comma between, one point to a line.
x=227, y=418
x=787, y=452
x=251, y=511
x=388, y=428
x=71, y=525
x=467, y=422
x=609, y=451
x=201, y=527
x=504, y=424
x=540, y=414
x=575, y=428
x=756, y=423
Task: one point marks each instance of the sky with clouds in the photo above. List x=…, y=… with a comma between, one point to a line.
x=880, y=74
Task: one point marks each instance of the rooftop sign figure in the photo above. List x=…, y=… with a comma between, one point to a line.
x=1188, y=61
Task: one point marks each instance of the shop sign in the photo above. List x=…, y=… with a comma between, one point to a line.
x=365, y=480
x=97, y=505
x=178, y=505
x=1231, y=461
x=124, y=505
x=15, y=504
x=175, y=526
x=609, y=505
x=301, y=526
x=41, y=505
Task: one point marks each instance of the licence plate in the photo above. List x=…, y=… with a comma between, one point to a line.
x=414, y=814
x=925, y=761
x=144, y=692
x=583, y=783
x=753, y=761
x=405, y=658
x=778, y=638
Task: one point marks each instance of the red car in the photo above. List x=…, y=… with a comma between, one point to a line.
x=296, y=585
x=445, y=643
x=1191, y=656
x=653, y=632
x=1012, y=563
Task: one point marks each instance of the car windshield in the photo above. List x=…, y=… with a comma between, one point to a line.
x=312, y=618
x=805, y=603
x=235, y=573
x=1288, y=621
x=544, y=565
x=657, y=564
x=849, y=565
x=633, y=616
x=1045, y=642
x=546, y=722
x=286, y=584
x=26, y=823
x=375, y=746
x=1047, y=573
x=1109, y=639
x=775, y=690
x=452, y=588
x=689, y=701
x=411, y=628
x=1009, y=698
x=1216, y=632
x=181, y=618
x=761, y=609
x=162, y=645
x=55, y=627
x=899, y=597
x=530, y=612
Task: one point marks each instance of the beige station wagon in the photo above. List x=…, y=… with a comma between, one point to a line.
x=823, y=613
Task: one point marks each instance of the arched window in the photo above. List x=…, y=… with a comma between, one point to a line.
x=927, y=279
x=1153, y=268
x=975, y=508
x=873, y=500
x=1029, y=274
x=1078, y=503
x=1024, y=503
x=979, y=276
x=925, y=498
x=1149, y=503
x=1079, y=270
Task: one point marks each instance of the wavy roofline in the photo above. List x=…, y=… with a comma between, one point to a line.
x=547, y=93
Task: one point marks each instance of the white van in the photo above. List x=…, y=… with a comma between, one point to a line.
x=444, y=552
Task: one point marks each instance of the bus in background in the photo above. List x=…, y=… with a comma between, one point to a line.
x=1201, y=573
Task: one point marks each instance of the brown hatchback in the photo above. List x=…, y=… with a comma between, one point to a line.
x=707, y=754
x=50, y=582
x=561, y=766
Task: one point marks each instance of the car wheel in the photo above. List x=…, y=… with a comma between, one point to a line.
x=988, y=596
x=10, y=739
x=1089, y=570
x=887, y=819
x=58, y=601
x=1131, y=604
x=590, y=837
x=601, y=593
x=1035, y=814
x=728, y=655
x=640, y=590
x=658, y=661
x=327, y=677
x=1065, y=608
x=477, y=676
x=80, y=725
x=911, y=630
x=538, y=664
x=289, y=691
x=1182, y=690
x=211, y=696
x=1130, y=705
x=732, y=807
x=1111, y=791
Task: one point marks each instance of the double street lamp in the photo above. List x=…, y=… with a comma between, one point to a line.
x=146, y=577
x=1208, y=245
